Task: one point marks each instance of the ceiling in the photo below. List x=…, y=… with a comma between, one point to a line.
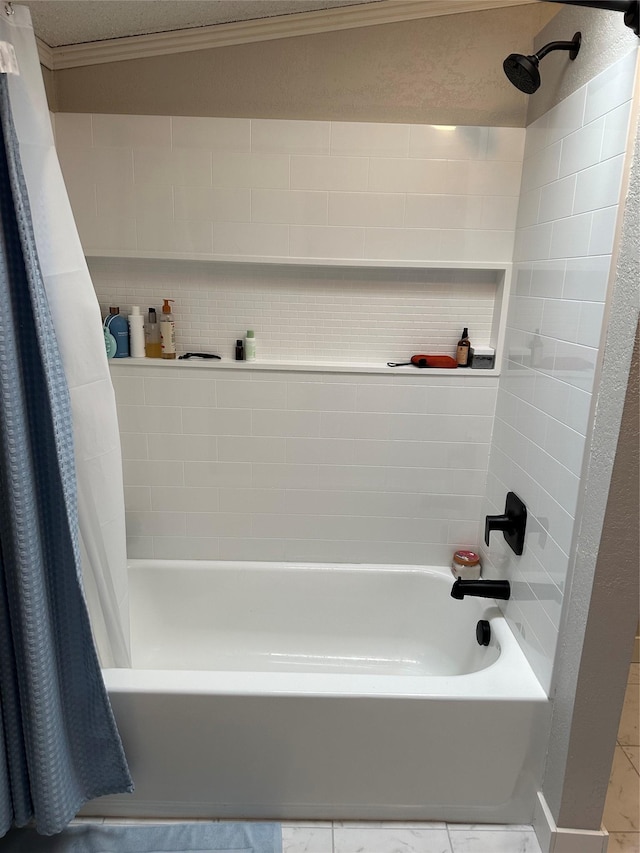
x=66, y=22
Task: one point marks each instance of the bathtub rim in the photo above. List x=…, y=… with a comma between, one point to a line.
x=509, y=677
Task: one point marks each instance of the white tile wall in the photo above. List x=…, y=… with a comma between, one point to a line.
x=571, y=188
x=345, y=181
x=306, y=315
x=306, y=466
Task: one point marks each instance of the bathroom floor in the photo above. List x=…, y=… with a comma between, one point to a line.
x=621, y=817
x=622, y=809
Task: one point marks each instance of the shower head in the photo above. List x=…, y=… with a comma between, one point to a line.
x=523, y=72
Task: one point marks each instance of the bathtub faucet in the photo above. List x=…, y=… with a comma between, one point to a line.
x=481, y=589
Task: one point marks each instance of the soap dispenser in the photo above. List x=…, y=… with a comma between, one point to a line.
x=167, y=331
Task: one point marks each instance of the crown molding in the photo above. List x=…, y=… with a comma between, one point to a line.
x=46, y=54
x=264, y=29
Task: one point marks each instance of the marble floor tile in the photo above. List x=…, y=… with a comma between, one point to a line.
x=307, y=839
x=359, y=839
x=629, y=731
x=624, y=842
x=494, y=841
x=633, y=754
x=391, y=824
x=622, y=807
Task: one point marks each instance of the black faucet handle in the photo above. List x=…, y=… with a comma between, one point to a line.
x=512, y=523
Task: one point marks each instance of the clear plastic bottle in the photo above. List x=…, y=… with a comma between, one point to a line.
x=167, y=331
x=153, y=346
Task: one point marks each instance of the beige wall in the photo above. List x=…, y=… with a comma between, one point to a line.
x=443, y=70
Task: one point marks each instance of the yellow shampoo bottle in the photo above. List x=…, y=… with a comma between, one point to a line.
x=167, y=331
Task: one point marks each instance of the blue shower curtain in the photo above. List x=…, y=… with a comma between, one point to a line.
x=59, y=745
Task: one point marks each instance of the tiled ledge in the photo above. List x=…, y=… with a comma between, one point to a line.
x=300, y=367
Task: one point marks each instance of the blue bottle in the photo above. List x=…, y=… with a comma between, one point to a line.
x=118, y=327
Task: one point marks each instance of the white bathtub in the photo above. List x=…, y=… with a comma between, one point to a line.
x=268, y=690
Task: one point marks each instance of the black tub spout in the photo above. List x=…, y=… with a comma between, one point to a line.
x=481, y=589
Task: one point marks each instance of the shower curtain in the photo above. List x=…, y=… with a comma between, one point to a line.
x=78, y=330
x=59, y=745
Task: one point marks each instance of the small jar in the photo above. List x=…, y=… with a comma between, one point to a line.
x=466, y=565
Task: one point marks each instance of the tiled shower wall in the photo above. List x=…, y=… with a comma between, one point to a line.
x=255, y=189
x=571, y=187
x=274, y=465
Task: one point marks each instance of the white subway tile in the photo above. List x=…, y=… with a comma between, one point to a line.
x=186, y=548
x=616, y=130
x=529, y=204
x=262, y=239
x=160, y=235
x=586, y=278
x=107, y=233
x=446, y=211
x=582, y=148
x=134, y=445
x=499, y=212
x=129, y=390
x=280, y=136
x=385, y=209
x=478, y=177
x=370, y=139
x=213, y=134
x=402, y=243
x=505, y=143
x=152, y=473
x=603, y=231
x=254, y=500
x=212, y=524
x=182, y=447
x=565, y=445
x=346, y=174
x=612, y=87
x=440, y=142
x=477, y=245
x=541, y=168
x=285, y=423
x=226, y=204
x=155, y=524
x=251, y=549
x=183, y=499
x=318, y=397
x=180, y=392
x=537, y=136
x=216, y=422
x=284, y=476
x=599, y=186
x=326, y=242
x=139, y=547
x=547, y=278
x=407, y=176
x=571, y=236
x=147, y=419
x=560, y=319
x=221, y=474
x=135, y=131
x=97, y=165
x=590, y=325
x=557, y=199
x=567, y=116
x=267, y=171
x=297, y=207
x=254, y=449
x=252, y=395
x=137, y=498
x=533, y=243
x=323, y=451
x=182, y=167
x=133, y=201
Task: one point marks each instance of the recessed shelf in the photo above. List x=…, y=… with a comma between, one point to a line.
x=300, y=367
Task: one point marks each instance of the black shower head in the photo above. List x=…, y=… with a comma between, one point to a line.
x=523, y=72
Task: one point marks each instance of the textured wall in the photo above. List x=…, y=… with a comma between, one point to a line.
x=444, y=70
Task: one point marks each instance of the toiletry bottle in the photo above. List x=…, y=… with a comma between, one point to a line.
x=119, y=328
x=250, y=346
x=463, y=350
x=136, y=332
x=167, y=331
x=466, y=565
x=239, y=350
x=153, y=347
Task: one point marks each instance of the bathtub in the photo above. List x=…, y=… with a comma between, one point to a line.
x=297, y=691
